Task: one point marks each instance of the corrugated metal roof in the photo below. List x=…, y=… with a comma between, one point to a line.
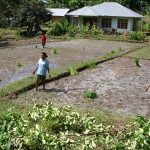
x=85, y=11
x=106, y=9
x=58, y=11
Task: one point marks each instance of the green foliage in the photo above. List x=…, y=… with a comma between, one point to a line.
x=3, y=21
x=7, y=33
x=96, y=31
x=144, y=26
x=90, y=94
x=139, y=6
x=138, y=36
x=54, y=51
x=72, y=71
x=137, y=60
x=113, y=52
x=59, y=28
x=91, y=64
x=48, y=127
x=18, y=64
x=120, y=50
x=31, y=14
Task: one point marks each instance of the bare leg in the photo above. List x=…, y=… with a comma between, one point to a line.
x=44, y=85
x=148, y=87
x=37, y=83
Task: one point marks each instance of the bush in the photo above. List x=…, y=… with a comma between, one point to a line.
x=90, y=94
x=137, y=60
x=49, y=128
x=59, y=28
x=120, y=50
x=138, y=36
x=54, y=50
x=96, y=31
x=18, y=64
x=3, y=21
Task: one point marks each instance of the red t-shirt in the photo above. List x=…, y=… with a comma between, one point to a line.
x=43, y=37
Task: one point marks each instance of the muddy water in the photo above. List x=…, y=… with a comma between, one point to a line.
x=68, y=53
x=120, y=86
x=21, y=72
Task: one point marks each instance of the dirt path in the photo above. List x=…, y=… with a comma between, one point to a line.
x=68, y=52
x=119, y=84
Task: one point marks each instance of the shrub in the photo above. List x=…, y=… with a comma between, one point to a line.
x=59, y=28
x=90, y=94
x=113, y=52
x=120, y=50
x=138, y=36
x=96, y=31
x=72, y=31
x=60, y=128
x=54, y=50
x=3, y=22
x=137, y=60
x=72, y=71
x=145, y=24
x=18, y=64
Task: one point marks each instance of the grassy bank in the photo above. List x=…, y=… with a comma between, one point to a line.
x=143, y=53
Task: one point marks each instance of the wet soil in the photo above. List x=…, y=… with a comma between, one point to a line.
x=26, y=53
x=120, y=86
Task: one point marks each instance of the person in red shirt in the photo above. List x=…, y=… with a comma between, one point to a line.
x=43, y=38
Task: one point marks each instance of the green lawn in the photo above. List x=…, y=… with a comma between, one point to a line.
x=7, y=34
x=141, y=53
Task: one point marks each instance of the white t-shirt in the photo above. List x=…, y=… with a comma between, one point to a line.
x=43, y=66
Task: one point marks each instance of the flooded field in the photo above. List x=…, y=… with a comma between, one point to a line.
x=19, y=61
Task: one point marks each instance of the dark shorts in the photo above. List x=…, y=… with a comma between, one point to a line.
x=43, y=44
x=41, y=78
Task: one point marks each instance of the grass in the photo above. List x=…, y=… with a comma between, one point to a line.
x=91, y=64
x=120, y=50
x=90, y=94
x=18, y=64
x=72, y=71
x=54, y=51
x=6, y=104
x=102, y=115
x=105, y=116
x=142, y=53
x=7, y=33
x=137, y=60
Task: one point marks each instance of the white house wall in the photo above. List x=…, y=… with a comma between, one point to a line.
x=113, y=25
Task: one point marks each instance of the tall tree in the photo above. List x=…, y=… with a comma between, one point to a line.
x=142, y=6
x=31, y=14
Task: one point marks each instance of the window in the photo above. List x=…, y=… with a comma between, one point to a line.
x=122, y=23
x=106, y=23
